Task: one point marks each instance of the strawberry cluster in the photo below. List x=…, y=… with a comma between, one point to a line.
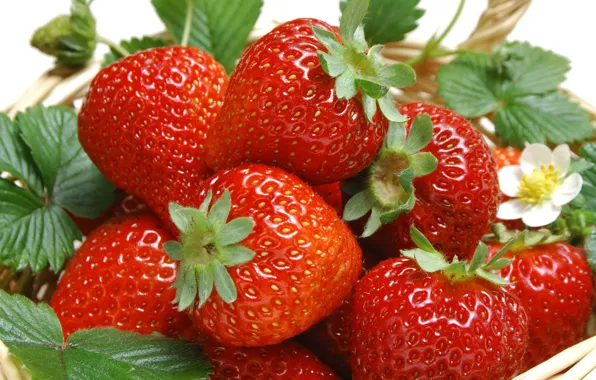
x=241, y=246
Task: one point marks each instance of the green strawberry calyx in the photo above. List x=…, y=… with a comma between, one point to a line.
x=431, y=260
x=208, y=244
x=357, y=67
x=389, y=190
x=531, y=238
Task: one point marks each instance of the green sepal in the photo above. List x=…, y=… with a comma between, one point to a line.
x=223, y=283
x=372, y=224
x=345, y=85
x=370, y=107
x=358, y=206
x=429, y=261
x=234, y=232
x=331, y=65
x=174, y=250
x=396, y=136
x=236, y=254
x=205, y=283
x=420, y=240
x=397, y=75
x=492, y=277
x=526, y=239
x=329, y=40
x=390, y=215
x=186, y=287
x=387, y=106
x=180, y=219
x=405, y=179
x=351, y=19
x=423, y=163
x=374, y=90
x=479, y=257
x=220, y=210
x=421, y=133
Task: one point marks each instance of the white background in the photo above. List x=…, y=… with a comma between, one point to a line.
x=567, y=27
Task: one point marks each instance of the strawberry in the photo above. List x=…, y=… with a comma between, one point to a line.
x=554, y=284
x=121, y=277
x=418, y=316
x=506, y=156
x=126, y=204
x=294, y=101
x=145, y=119
x=442, y=179
x=296, y=263
x=286, y=360
x=332, y=194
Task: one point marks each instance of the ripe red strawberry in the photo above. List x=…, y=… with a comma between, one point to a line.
x=285, y=108
x=455, y=204
x=283, y=361
x=331, y=193
x=296, y=264
x=554, y=284
x=121, y=277
x=413, y=319
x=126, y=204
x=145, y=119
x=506, y=156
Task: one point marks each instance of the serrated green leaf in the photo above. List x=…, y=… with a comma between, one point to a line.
x=331, y=64
x=429, y=261
x=389, y=20
x=420, y=240
x=532, y=70
x=588, y=152
x=370, y=107
x=358, y=206
x=132, y=46
x=388, y=108
x=398, y=75
x=373, y=223
x=580, y=165
x=15, y=157
x=329, y=40
x=223, y=283
x=218, y=27
x=205, y=278
x=423, y=163
x=420, y=134
x=174, y=250
x=351, y=17
x=468, y=85
x=70, y=178
x=31, y=233
x=345, y=85
x=235, y=231
x=537, y=119
x=33, y=335
x=218, y=215
x=236, y=254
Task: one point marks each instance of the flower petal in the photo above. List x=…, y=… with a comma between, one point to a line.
x=541, y=215
x=562, y=158
x=509, y=179
x=512, y=209
x=568, y=190
x=534, y=156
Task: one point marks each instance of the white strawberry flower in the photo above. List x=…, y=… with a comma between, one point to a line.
x=539, y=185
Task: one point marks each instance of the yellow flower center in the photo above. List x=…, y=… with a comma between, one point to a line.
x=538, y=186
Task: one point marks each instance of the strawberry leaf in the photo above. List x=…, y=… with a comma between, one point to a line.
x=15, y=157
x=218, y=27
x=70, y=178
x=132, y=46
x=389, y=20
x=519, y=82
x=33, y=335
x=590, y=249
x=33, y=233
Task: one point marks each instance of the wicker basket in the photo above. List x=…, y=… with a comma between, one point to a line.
x=64, y=86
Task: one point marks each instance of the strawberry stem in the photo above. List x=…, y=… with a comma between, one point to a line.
x=112, y=45
x=187, y=23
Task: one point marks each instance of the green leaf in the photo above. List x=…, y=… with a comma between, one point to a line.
x=358, y=206
x=33, y=335
x=420, y=134
x=236, y=254
x=370, y=107
x=223, y=283
x=132, y=46
x=71, y=179
x=479, y=257
x=332, y=65
x=580, y=165
x=389, y=20
x=32, y=233
x=217, y=27
x=205, y=278
x=388, y=108
x=468, y=85
x=424, y=163
x=537, y=119
x=329, y=40
x=345, y=85
x=15, y=157
x=373, y=223
x=420, y=240
x=532, y=70
x=218, y=215
x=588, y=152
x=235, y=231
x=429, y=261
x=174, y=250
x=398, y=75
x=590, y=249
x=352, y=16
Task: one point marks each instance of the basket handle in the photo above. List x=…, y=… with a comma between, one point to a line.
x=495, y=24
